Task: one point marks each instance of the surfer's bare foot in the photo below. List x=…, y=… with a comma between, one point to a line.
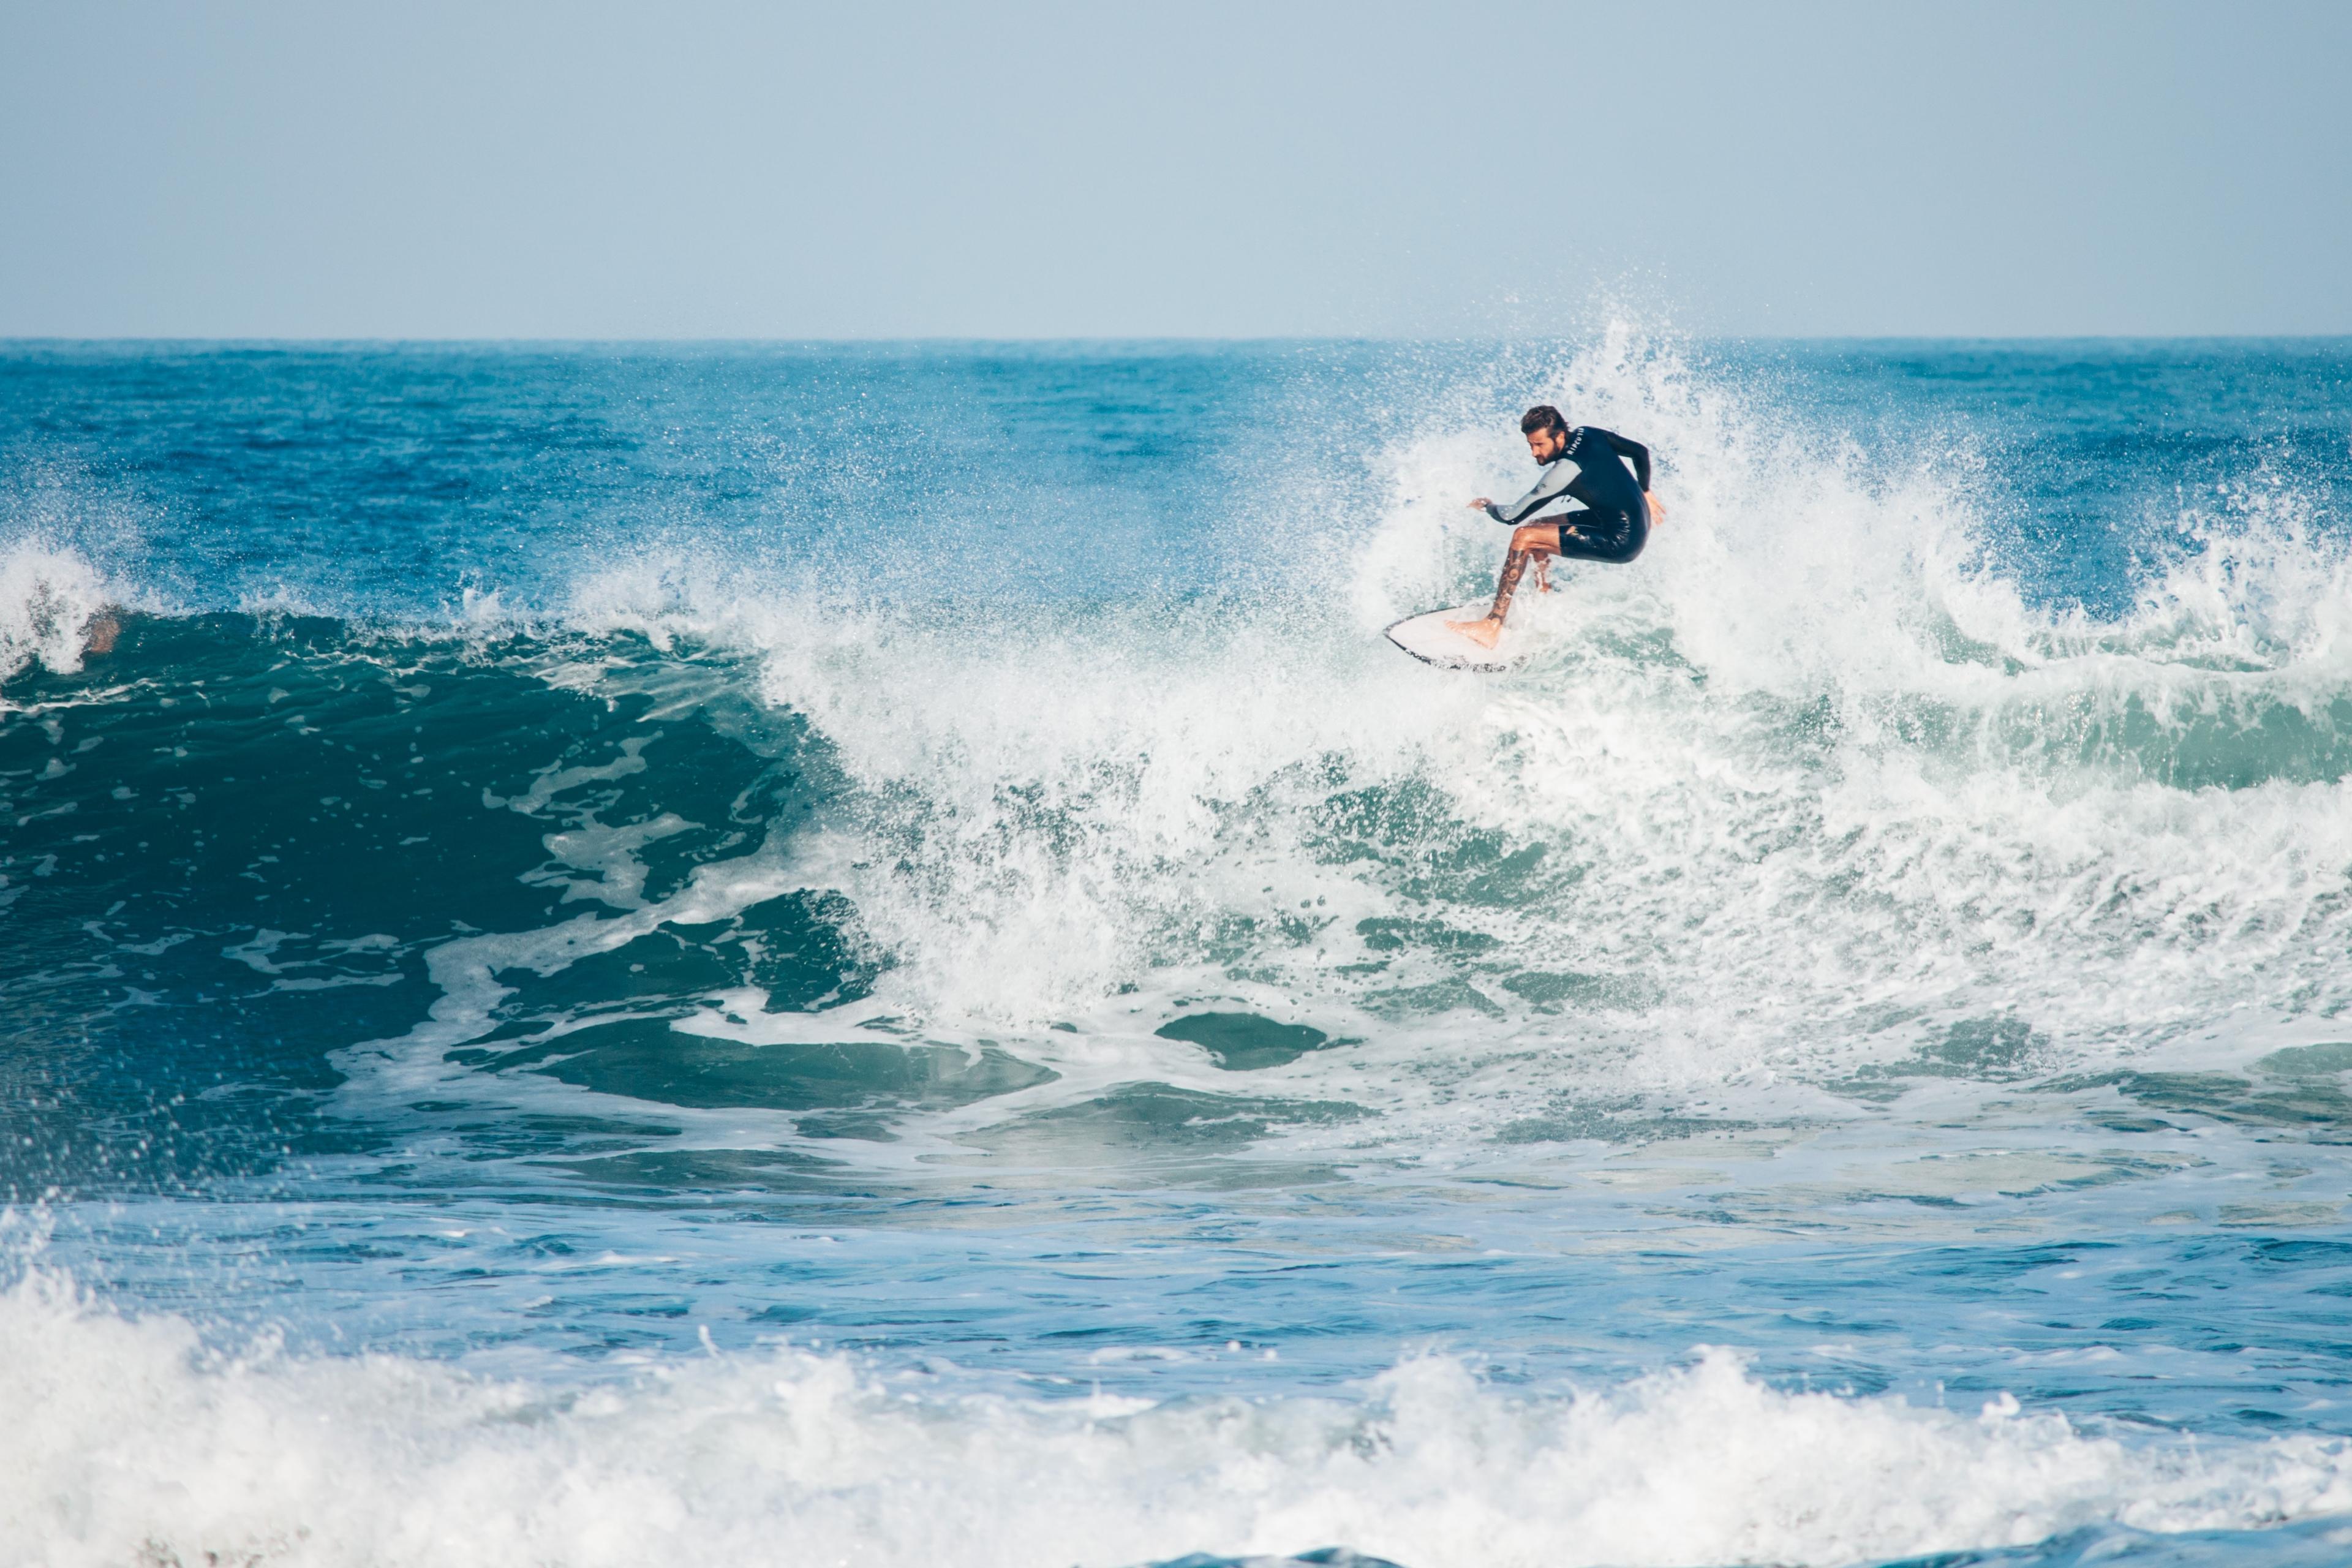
x=1482, y=632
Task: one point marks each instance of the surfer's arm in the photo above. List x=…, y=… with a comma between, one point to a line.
x=1549, y=488
x=1632, y=452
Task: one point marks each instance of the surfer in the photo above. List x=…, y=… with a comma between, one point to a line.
x=1581, y=462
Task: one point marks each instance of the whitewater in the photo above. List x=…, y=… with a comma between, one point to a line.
x=860, y=954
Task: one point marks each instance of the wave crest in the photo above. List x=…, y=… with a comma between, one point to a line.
x=51, y=599
x=130, y=1442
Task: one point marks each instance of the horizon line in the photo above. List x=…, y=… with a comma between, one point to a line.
x=1200, y=339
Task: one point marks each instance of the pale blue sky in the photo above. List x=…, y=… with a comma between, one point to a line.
x=724, y=170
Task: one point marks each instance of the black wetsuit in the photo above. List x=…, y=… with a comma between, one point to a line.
x=1616, y=523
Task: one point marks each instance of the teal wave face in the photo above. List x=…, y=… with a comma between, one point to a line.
x=235, y=843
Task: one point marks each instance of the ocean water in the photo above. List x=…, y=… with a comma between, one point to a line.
x=860, y=955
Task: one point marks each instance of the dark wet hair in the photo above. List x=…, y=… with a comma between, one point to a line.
x=1542, y=416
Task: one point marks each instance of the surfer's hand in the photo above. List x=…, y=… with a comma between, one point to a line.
x=1657, y=510
x=1481, y=504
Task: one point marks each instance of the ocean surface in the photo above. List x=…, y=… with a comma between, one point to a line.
x=861, y=955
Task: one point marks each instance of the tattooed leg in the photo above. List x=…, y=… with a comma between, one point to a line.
x=1528, y=544
x=1515, y=565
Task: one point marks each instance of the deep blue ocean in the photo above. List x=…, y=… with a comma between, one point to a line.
x=862, y=955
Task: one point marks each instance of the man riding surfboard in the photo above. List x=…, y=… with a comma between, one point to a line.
x=1583, y=463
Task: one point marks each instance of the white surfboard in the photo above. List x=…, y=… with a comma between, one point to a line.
x=1425, y=637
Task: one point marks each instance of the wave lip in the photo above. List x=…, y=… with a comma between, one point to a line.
x=52, y=605
x=133, y=1445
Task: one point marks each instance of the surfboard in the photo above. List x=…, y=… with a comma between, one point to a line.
x=1425, y=637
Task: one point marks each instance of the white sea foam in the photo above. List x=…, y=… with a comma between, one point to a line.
x=1810, y=781
x=49, y=595
x=1816, y=704
x=127, y=1443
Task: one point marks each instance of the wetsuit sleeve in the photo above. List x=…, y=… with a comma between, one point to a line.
x=1553, y=484
x=1632, y=452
